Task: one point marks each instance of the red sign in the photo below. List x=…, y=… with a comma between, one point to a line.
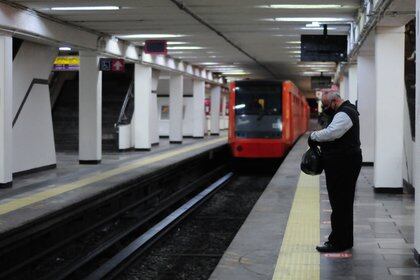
x=118, y=65
x=156, y=47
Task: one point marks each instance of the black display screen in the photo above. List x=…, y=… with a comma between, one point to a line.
x=324, y=48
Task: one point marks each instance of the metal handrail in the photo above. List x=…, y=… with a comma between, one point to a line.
x=129, y=95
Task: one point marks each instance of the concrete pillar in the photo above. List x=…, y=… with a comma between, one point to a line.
x=6, y=94
x=225, y=97
x=198, y=108
x=344, y=87
x=367, y=105
x=142, y=96
x=416, y=150
x=352, y=80
x=90, y=109
x=176, y=107
x=215, y=110
x=154, y=115
x=390, y=90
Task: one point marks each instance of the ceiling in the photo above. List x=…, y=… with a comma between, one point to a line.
x=271, y=46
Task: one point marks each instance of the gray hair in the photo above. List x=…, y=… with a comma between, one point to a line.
x=333, y=95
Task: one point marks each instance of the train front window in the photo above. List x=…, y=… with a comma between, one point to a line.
x=258, y=111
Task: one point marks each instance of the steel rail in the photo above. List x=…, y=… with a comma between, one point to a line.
x=127, y=255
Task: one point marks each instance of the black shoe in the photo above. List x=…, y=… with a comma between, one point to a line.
x=330, y=248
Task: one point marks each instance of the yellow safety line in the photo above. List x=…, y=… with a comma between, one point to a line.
x=40, y=196
x=298, y=258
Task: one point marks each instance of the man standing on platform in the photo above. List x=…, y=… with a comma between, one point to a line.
x=342, y=161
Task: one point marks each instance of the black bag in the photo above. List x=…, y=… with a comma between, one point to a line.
x=311, y=162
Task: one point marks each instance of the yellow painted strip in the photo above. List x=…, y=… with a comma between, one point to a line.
x=40, y=196
x=298, y=258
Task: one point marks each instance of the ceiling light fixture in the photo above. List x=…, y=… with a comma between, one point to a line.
x=313, y=24
x=64, y=49
x=311, y=19
x=149, y=36
x=185, y=48
x=305, y=6
x=86, y=8
x=318, y=28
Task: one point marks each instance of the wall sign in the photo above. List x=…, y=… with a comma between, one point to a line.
x=66, y=63
x=111, y=65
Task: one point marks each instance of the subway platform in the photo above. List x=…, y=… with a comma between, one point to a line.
x=278, y=239
x=64, y=199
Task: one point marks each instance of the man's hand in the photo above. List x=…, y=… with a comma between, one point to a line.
x=312, y=143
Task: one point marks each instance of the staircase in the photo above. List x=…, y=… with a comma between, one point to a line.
x=65, y=111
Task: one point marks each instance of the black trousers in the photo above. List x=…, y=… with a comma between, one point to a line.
x=341, y=172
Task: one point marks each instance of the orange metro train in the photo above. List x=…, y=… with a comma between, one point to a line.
x=265, y=118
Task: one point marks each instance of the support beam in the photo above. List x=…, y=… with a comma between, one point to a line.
x=390, y=89
x=142, y=96
x=352, y=94
x=176, y=92
x=367, y=105
x=90, y=109
x=344, y=87
x=416, y=150
x=225, y=97
x=6, y=94
x=154, y=118
x=215, y=110
x=198, y=111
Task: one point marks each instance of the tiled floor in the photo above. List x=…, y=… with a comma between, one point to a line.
x=384, y=235
x=68, y=165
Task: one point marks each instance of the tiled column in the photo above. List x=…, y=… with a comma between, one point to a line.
x=142, y=96
x=224, y=102
x=176, y=100
x=215, y=110
x=390, y=90
x=416, y=152
x=6, y=93
x=154, y=115
x=352, y=94
x=198, y=105
x=367, y=105
x=344, y=87
x=90, y=109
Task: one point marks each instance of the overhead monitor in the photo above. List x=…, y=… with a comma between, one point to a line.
x=324, y=48
x=321, y=82
x=155, y=47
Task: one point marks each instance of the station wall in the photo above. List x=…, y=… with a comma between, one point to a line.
x=163, y=105
x=408, y=166
x=33, y=137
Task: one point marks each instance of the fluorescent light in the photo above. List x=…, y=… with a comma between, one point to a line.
x=313, y=24
x=305, y=6
x=171, y=43
x=64, y=49
x=185, y=48
x=238, y=73
x=293, y=42
x=318, y=28
x=295, y=52
x=86, y=8
x=310, y=19
x=208, y=63
x=149, y=36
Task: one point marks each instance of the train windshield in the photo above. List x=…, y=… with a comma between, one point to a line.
x=258, y=111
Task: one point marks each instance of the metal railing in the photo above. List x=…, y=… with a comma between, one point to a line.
x=127, y=108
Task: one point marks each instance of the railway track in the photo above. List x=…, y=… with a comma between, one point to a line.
x=66, y=245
